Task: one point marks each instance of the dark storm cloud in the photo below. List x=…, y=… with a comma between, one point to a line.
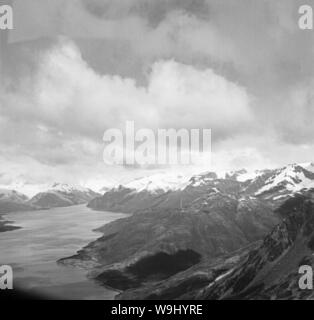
x=153, y=11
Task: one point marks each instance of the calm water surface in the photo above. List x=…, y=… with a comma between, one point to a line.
x=45, y=237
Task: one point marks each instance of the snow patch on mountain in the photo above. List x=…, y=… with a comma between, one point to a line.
x=202, y=179
x=7, y=194
x=243, y=175
x=292, y=178
x=67, y=188
x=249, y=176
x=309, y=166
x=159, y=182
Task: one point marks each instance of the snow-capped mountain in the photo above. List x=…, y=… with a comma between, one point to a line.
x=169, y=191
x=309, y=166
x=202, y=179
x=11, y=200
x=150, y=191
x=144, y=193
x=63, y=195
x=244, y=175
x=68, y=188
x=6, y=194
x=205, y=218
x=159, y=183
x=290, y=179
x=165, y=192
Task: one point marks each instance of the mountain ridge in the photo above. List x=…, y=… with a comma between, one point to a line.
x=141, y=194
x=57, y=195
x=62, y=195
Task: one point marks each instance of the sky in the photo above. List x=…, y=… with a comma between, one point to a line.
x=73, y=68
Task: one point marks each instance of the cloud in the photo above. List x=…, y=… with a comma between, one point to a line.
x=294, y=117
x=255, y=43
x=67, y=96
x=188, y=97
x=58, y=115
x=243, y=69
x=183, y=30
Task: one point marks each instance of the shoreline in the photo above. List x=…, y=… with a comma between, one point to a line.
x=91, y=221
x=5, y=225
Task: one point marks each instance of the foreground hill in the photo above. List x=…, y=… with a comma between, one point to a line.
x=264, y=270
x=271, y=270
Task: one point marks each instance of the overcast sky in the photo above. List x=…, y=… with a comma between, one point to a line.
x=73, y=68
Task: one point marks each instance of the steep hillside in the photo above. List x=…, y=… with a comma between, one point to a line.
x=199, y=226
x=205, y=229
x=264, y=270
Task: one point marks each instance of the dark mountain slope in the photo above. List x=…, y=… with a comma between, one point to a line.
x=271, y=271
x=203, y=230
x=263, y=270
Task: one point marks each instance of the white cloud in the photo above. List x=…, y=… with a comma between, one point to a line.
x=67, y=96
x=189, y=97
x=70, y=95
x=58, y=116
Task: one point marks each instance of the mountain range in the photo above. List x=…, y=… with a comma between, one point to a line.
x=57, y=195
x=240, y=235
x=62, y=195
x=185, y=237
x=11, y=201
x=166, y=191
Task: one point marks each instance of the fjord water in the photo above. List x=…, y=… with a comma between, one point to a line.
x=45, y=237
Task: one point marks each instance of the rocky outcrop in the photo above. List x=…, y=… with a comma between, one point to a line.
x=271, y=270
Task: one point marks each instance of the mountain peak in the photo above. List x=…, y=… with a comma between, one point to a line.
x=67, y=188
x=11, y=194
x=291, y=178
x=159, y=182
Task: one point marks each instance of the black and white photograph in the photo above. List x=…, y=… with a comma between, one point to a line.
x=157, y=150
